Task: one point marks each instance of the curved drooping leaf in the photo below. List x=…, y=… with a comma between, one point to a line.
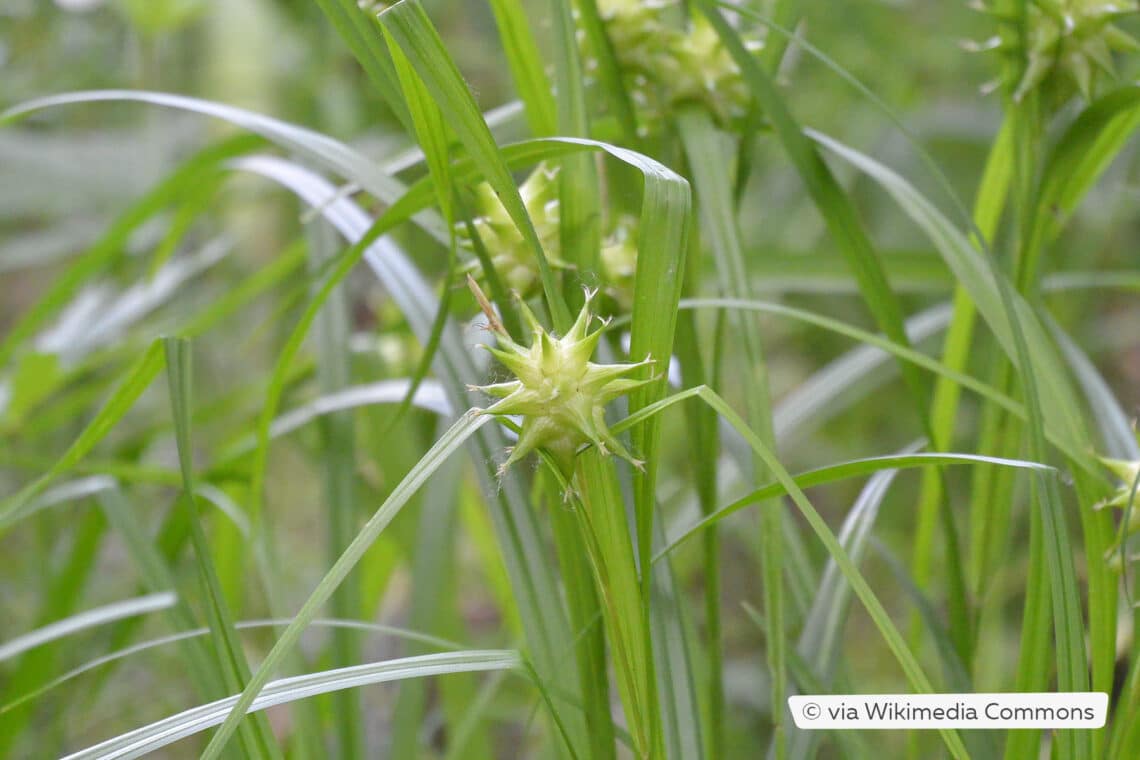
x=840, y=471
x=143, y=646
x=821, y=634
x=976, y=275
x=330, y=153
x=548, y=634
x=135, y=380
x=453, y=439
x=666, y=197
x=830, y=389
x=1049, y=401
x=195, y=720
x=86, y=620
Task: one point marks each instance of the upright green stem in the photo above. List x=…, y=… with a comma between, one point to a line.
x=717, y=212
x=583, y=605
x=704, y=445
x=609, y=545
x=988, y=206
x=339, y=476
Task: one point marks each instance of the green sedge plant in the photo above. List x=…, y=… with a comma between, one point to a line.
x=602, y=530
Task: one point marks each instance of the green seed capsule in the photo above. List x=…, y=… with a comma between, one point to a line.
x=1126, y=472
x=511, y=255
x=666, y=67
x=1122, y=498
x=1061, y=46
x=560, y=394
x=619, y=261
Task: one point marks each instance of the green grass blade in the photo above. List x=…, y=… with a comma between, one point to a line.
x=831, y=473
x=111, y=243
x=585, y=614
x=156, y=574
x=164, y=732
x=821, y=635
x=662, y=242
x=1079, y=158
x=257, y=739
x=907, y=354
x=891, y=635
x=835, y=387
x=606, y=533
x=430, y=397
x=135, y=380
x=194, y=633
x=785, y=14
x=61, y=591
x=526, y=65
x=608, y=71
x=258, y=283
x=704, y=448
x=360, y=31
x=975, y=274
x=1115, y=426
x=833, y=203
x=944, y=406
x=330, y=153
x=338, y=475
x=713, y=187
x=410, y=26
x=548, y=634
x=434, y=607
x=672, y=647
x=849, y=743
x=430, y=130
x=83, y=621
x=463, y=429
x=579, y=201
x=981, y=744
x=432, y=135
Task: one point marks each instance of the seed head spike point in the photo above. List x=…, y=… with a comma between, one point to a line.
x=1062, y=47
x=485, y=306
x=1125, y=499
x=561, y=394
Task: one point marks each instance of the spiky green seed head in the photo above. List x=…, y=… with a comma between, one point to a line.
x=509, y=252
x=1126, y=472
x=1122, y=498
x=1060, y=46
x=560, y=394
x=666, y=67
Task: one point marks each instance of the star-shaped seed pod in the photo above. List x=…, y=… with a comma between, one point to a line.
x=1126, y=472
x=1061, y=45
x=560, y=394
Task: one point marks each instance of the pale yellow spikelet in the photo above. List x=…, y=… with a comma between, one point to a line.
x=560, y=394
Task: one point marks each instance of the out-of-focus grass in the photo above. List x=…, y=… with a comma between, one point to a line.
x=802, y=243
